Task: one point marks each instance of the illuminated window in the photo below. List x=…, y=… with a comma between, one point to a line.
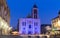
x=24, y=23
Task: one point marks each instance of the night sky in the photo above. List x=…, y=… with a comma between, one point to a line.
x=48, y=9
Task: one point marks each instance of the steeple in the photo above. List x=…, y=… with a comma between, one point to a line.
x=35, y=11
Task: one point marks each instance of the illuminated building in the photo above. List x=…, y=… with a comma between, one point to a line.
x=31, y=24
x=56, y=24
x=4, y=18
x=4, y=11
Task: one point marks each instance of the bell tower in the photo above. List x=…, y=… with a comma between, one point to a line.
x=35, y=12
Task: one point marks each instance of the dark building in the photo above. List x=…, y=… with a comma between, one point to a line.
x=43, y=30
x=18, y=26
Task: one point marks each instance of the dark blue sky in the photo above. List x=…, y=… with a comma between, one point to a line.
x=48, y=9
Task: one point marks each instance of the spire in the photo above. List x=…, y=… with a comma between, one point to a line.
x=34, y=6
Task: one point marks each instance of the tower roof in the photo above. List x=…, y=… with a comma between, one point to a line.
x=35, y=6
x=59, y=12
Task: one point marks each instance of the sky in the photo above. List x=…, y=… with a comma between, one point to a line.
x=47, y=10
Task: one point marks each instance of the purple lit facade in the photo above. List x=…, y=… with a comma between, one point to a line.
x=29, y=26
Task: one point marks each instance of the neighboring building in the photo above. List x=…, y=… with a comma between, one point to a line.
x=31, y=24
x=4, y=18
x=43, y=28
x=4, y=11
x=56, y=24
x=55, y=33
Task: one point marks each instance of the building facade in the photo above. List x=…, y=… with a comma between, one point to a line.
x=31, y=24
x=4, y=11
x=56, y=24
x=4, y=18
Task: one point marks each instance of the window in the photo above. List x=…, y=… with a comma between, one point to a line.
x=29, y=26
x=24, y=23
